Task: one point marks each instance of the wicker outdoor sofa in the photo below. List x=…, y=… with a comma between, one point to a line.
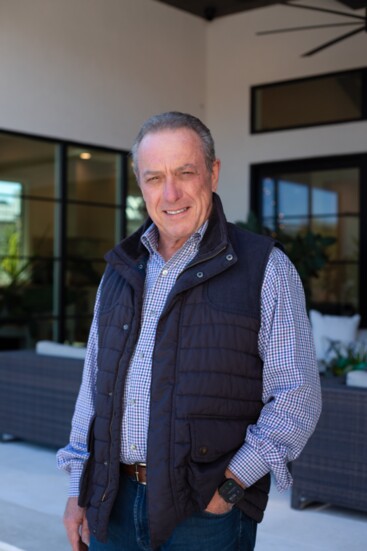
x=333, y=466
x=37, y=396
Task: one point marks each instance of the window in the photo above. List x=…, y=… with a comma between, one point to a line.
x=327, y=99
x=62, y=206
x=11, y=235
x=321, y=196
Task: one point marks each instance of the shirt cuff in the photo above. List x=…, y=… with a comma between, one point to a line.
x=75, y=475
x=248, y=466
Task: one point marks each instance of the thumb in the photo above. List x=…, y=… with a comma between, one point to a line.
x=85, y=534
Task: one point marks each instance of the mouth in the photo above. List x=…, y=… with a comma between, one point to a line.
x=175, y=212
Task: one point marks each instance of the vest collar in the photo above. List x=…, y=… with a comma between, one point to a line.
x=130, y=252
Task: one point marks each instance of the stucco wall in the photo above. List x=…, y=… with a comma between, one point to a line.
x=237, y=59
x=93, y=70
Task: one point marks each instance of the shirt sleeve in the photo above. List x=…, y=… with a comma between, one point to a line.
x=291, y=382
x=71, y=458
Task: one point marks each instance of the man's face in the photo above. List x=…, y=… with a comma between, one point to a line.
x=176, y=185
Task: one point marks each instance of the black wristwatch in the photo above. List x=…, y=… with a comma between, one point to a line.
x=230, y=491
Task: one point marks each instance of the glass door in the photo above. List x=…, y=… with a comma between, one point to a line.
x=314, y=198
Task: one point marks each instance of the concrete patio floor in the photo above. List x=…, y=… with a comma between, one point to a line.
x=33, y=494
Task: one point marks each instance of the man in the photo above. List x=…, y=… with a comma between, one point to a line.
x=200, y=376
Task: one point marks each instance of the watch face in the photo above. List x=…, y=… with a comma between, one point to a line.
x=230, y=491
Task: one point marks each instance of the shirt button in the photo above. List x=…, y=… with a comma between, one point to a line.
x=125, y=327
x=153, y=313
x=164, y=272
x=141, y=355
x=133, y=447
x=133, y=402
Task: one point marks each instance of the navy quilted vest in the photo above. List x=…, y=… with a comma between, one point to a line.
x=206, y=376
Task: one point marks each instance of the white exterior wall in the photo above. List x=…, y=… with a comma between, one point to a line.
x=93, y=70
x=238, y=59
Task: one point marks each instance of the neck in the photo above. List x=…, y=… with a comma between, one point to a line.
x=167, y=250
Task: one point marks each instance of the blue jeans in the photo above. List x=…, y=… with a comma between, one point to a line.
x=128, y=527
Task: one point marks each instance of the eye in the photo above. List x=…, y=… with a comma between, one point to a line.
x=187, y=173
x=152, y=179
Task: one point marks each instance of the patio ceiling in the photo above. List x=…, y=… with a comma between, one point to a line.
x=210, y=9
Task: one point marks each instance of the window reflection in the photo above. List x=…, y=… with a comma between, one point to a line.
x=47, y=282
x=135, y=207
x=92, y=176
x=324, y=202
x=308, y=102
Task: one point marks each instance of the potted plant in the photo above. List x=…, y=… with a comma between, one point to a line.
x=306, y=250
x=342, y=358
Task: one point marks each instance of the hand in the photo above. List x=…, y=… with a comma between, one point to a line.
x=217, y=505
x=76, y=525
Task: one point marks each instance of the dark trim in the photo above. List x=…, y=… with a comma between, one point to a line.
x=364, y=94
x=316, y=163
x=253, y=90
x=72, y=143
x=363, y=241
x=311, y=77
x=84, y=203
x=62, y=237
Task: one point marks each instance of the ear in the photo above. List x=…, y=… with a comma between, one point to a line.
x=215, y=174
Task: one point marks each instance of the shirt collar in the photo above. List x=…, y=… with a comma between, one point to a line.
x=150, y=237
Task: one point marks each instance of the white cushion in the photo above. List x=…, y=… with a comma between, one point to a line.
x=50, y=348
x=357, y=378
x=327, y=328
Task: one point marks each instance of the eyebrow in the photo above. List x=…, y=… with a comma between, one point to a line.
x=150, y=172
x=187, y=165
x=182, y=167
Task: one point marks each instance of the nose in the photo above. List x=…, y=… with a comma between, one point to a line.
x=171, y=190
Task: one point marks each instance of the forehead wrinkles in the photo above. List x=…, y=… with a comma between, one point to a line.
x=171, y=148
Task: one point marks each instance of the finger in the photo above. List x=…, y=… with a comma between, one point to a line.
x=85, y=532
x=72, y=532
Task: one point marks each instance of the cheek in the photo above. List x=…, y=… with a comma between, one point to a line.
x=151, y=200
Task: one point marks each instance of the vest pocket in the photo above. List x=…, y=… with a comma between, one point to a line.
x=214, y=441
x=213, y=438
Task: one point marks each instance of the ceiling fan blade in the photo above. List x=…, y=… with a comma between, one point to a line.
x=309, y=27
x=334, y=41
x=324, y=10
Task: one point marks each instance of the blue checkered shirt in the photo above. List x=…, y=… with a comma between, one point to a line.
x=291, y=386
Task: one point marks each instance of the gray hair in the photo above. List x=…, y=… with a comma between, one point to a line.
x=174, y=120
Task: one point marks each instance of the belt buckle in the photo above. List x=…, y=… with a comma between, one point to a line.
x=137, y=478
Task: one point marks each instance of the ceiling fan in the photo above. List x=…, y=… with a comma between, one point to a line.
x=359, y=21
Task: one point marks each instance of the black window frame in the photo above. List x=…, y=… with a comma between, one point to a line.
x=62, y=200
x=333, y=162
x=255, y=88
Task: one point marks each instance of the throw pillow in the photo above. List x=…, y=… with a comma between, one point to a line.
x=327, y=328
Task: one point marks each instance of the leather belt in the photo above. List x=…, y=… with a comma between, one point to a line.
x=138, y=471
